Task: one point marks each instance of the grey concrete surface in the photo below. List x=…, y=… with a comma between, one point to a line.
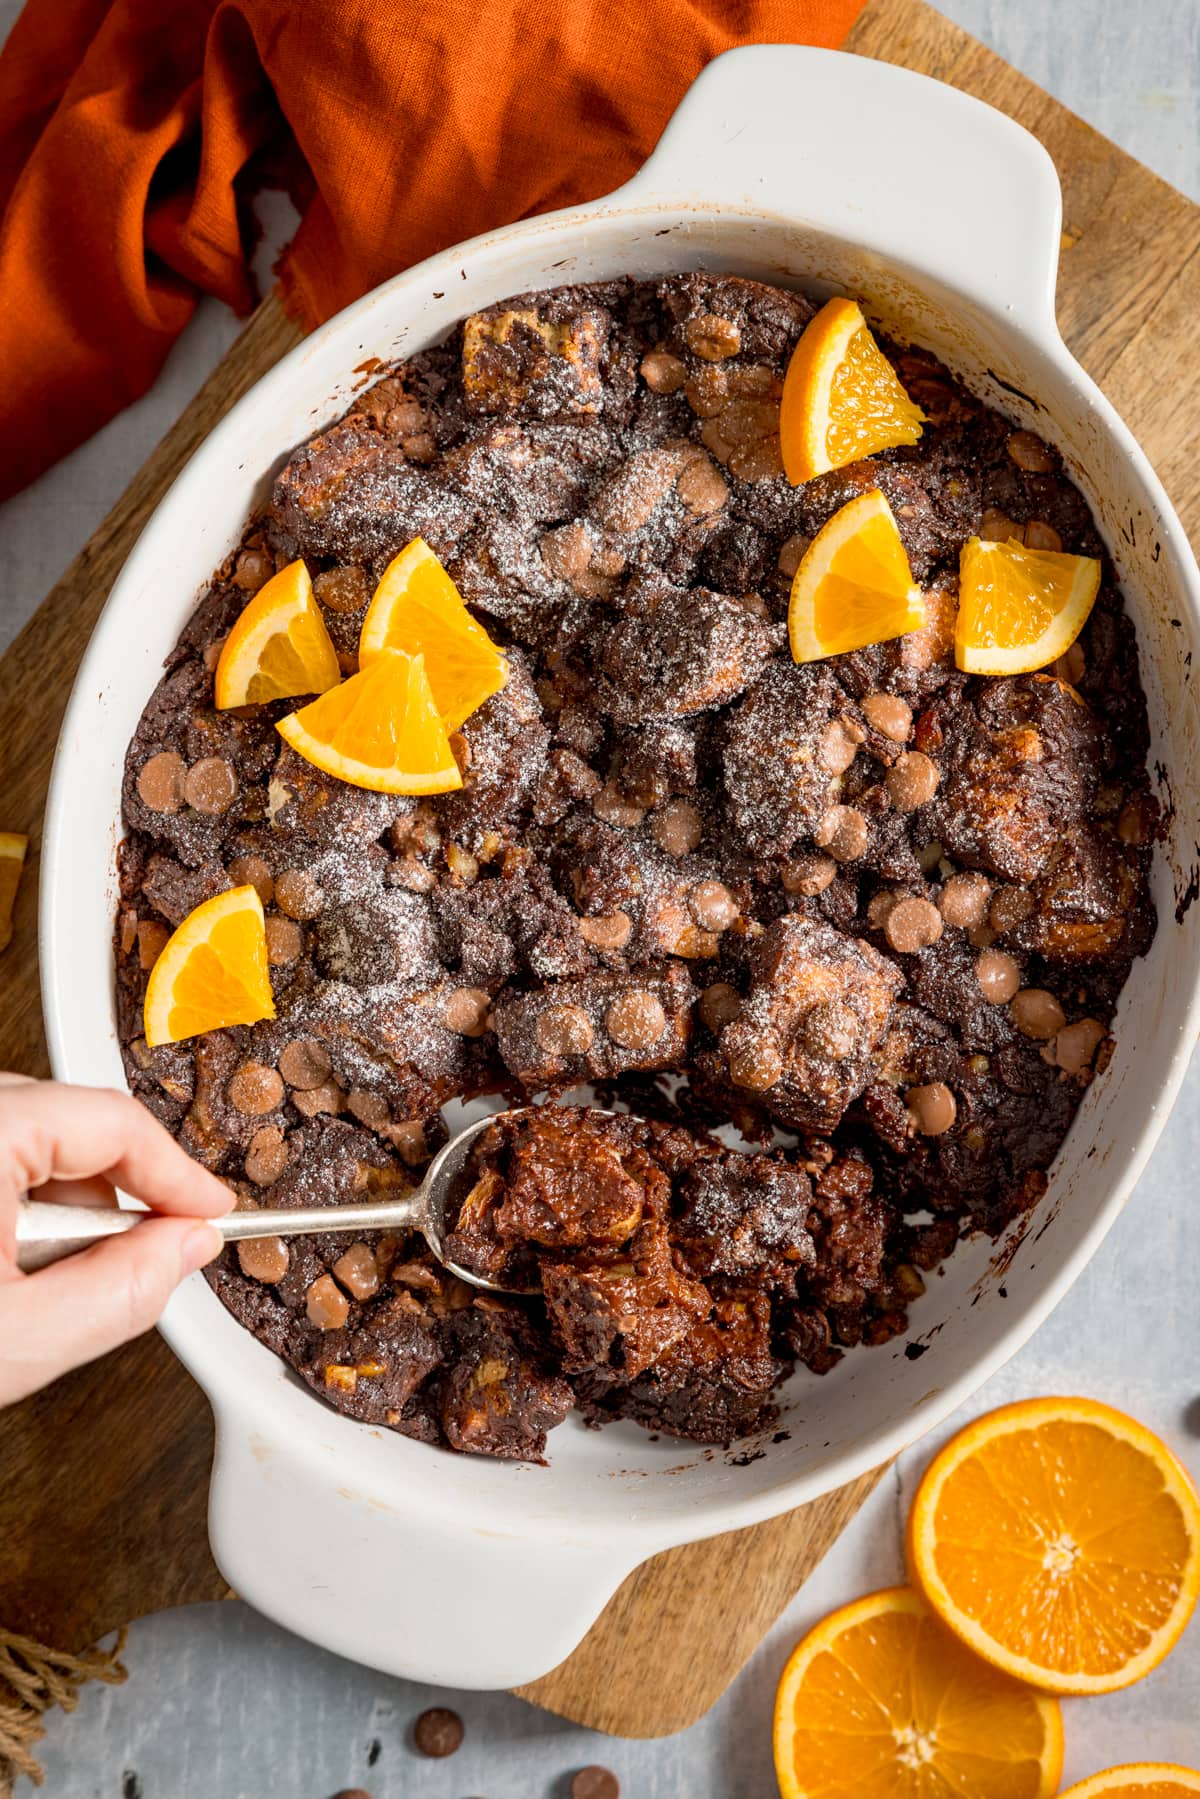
x=220, y=1704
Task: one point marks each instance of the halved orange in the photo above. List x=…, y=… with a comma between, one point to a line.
x=417, y=608
x=1019, y=609
x=380, y=729
x=12, y=860
x=279, y=646
x=853, y=586
x=842, y=399
x=880, y=1702
x=1060, y=1540
x=212, y=971
x=1139, y=1780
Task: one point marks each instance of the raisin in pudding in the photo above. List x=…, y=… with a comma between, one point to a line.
x=672, y=804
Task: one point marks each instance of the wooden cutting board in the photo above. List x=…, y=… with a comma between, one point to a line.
x=102, y=1502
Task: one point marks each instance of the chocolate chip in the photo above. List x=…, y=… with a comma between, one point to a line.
x=285, y=940
x=311, y=1101
x=357, y=1271
x=252, y=871
x=1077, y=1043
x=160, y=782
x=843, y=831
x=263, y=1259
x=297, y=894
x=210, y=786
x=266, y=1156
x=1031, y=454
x=353, y=1793
x=791, y=554
x=636, y=1019
x=999, y=976
x=719, y=1005
x=409, y=1138
x=712, y=905
x=752, y=1056
x=466, y=1011
x=710, y=336
x=343, y=589
x=838, y=748
x=304, y=1063
x=1040, y=536
x=888, y=714
x=662, y=372
x=595, y=1783
x=702, y=487
x=253, y=570
x=438, y=1732
x=912, y=924
x=677, y=828
x=326, y=1305
x=1037, y=1013
x=564, y=1031
x=932, y=1108
x=808, y=875
x=831, y=1031
x=912, y=781
x=370, y=1109
x=964, y=900
x=254, y=1089
x=610, y=931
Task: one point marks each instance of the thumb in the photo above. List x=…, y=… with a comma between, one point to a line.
x=91, y=1302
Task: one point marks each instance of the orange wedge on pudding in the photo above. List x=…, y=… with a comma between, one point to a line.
x=212, y=971
x=1019, y=609
x=1060, y=1540
x=853, y=586
x=380, y=729
x=880, y=1702
x=279, y=647
x=1139, y=1780
x=417, y=608
x=842, y=399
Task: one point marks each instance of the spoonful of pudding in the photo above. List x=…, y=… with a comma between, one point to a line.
x=451, y=1209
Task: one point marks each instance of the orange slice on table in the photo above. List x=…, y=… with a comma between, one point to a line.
x=842, y=399
x=1139, y=1780
x=418, y=608
x=279, y=647
x=881, y=1702
x=12, y=860
x=1019, y=609
x=212, y=971
x=1061, y=1541
x=380, y=729
x=853, y=586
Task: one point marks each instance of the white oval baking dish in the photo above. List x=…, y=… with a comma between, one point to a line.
x=477, y=1573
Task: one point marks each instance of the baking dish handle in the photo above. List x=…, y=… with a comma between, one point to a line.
x=921, y=174
x=442, y=1602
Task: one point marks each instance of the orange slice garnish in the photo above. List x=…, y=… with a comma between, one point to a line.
x=418, y=608
x=1139, y=1780
x=842, y=399
x=1019, y=609
x=279, y=647
x=12, y=860
x=212, y=971
x=380, y=729
x=1061, y=1541
x=854, y=586
x=879, y=1701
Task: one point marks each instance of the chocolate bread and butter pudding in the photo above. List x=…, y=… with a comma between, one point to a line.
x=871, y=911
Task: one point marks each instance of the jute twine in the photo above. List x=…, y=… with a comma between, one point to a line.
x=32, y=1679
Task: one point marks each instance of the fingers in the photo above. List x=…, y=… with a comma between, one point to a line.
x=94, y=1301
x=49, y=1131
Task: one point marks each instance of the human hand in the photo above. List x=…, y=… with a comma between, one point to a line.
x=70, y=1143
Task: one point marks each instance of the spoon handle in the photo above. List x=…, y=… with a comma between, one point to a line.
x=46, y=1231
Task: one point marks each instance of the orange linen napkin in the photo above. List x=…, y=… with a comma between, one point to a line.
x=132, y=132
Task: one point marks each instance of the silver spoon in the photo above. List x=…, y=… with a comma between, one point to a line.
x=46, y=1232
